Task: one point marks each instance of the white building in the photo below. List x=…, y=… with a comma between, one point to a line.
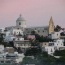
x=49, y=49
x=1, y=48
x=55, y=35
x=2, y=30
x=13, y=34
x=8, y=37
x=23, y=45
x=59, y=43
x=10, y=55
x=13, y=31
x=20, y=24
x=16, y=32
x=12, y=38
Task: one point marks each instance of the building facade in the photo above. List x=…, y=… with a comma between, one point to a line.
x=21, y=28
x=23, y=45
x=49, y=49
x=42, y=31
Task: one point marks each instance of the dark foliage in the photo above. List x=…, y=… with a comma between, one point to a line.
x=59, y=53
x=32, y=52
x=57, y=28
x=19, y=50
x=44, y=39
x=62, y=34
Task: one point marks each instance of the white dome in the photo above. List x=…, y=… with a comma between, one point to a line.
x=20, y=22
x=20, y=18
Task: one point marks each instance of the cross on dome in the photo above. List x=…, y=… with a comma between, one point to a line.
x=20, y=18
x=20, y=15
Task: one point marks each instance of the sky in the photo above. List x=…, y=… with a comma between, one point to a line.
x=35, y=12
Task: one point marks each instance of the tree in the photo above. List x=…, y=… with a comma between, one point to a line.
x=59, y=53
x=62, y=34
x=44, y=39
x=19, y=50
x=57, y=28
x=1, y=38
x=32, y=52
x=33, y=32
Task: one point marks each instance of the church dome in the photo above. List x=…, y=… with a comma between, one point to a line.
x=20, y=18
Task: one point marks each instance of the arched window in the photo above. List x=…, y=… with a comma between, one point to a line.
x=19, y=23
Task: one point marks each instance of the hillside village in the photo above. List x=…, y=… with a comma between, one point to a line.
x=17, y=42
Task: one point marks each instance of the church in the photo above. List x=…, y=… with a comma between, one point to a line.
x=21, y=28
x=42, y=30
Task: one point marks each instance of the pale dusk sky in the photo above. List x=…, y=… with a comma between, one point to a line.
x=35, y=12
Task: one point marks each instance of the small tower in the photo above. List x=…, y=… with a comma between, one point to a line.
x=20, y=22
x=51, y=26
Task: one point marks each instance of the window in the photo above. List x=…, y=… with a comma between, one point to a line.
x=13, y=39
x=57, y=34
x=19, y=23
x=19, y=33
x=51, y=44
x=17, y=28
x=45, y=43
x=26, y=29
x=51, y=50
x=35, y=28
x=43, y=30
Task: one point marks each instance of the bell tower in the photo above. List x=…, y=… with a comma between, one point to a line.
x=51, y=26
